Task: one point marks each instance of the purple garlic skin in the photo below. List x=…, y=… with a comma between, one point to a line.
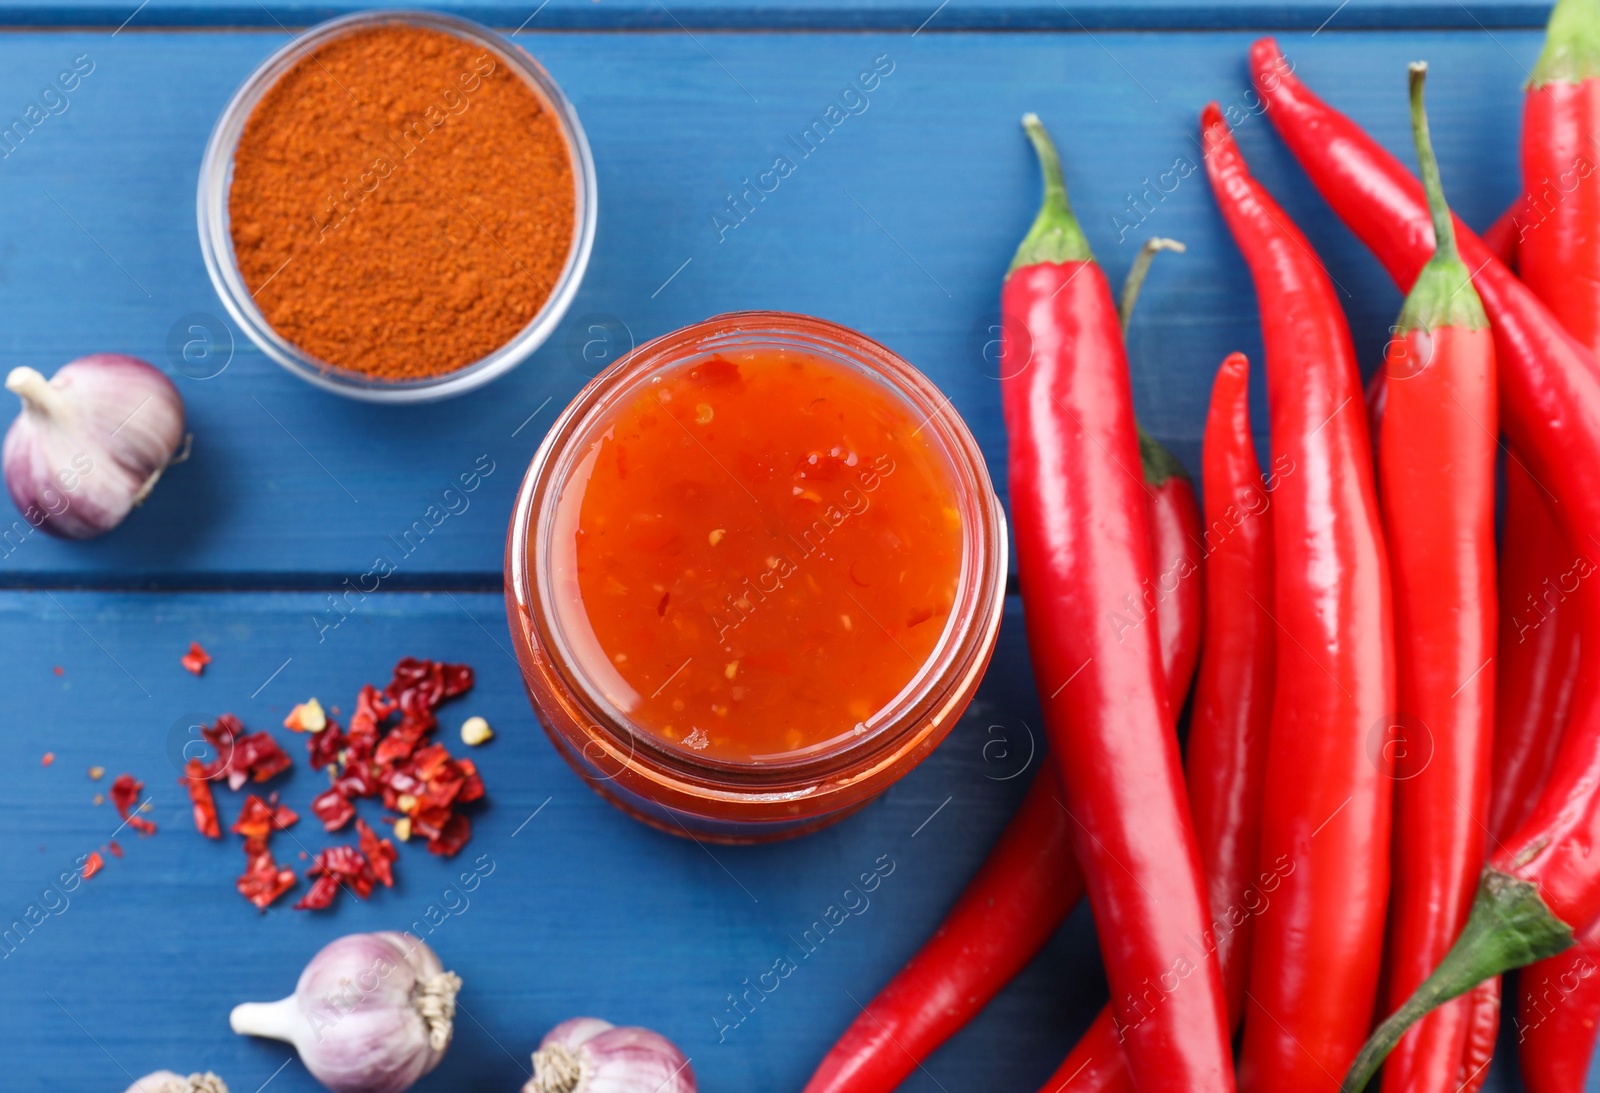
x=588, y=1055
x=372, y=1013
x=90, y=442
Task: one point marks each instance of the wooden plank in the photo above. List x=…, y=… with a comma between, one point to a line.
x=899, y=15
x=900, y=223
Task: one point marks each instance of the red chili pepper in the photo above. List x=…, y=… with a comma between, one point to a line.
x=1083, y=545
x=1010, y=908
x=1558, y=1012
x=1542, y=882
x=1020, y=895
x=1229, y=729
x=1178, y=594
x=1503, y=236
x=1558, y=248
x=1173, y=513
x=1558, y=223
x=1436, y=476
x=1524, y=682
x=1326, y=801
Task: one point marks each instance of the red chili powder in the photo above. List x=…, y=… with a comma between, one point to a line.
x=402, y=202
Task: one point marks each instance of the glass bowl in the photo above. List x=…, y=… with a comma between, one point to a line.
x=675, y=789
x=216, y=241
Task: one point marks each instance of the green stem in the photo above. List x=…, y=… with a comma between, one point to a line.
x=1055, y=235
x=1157, y=462
x=1138, y=272
x=1444, y=228
x=1510, y=926
x=1571, y=51
x=1443, y=294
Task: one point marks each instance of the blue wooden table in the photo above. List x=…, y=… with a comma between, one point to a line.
x=899, y=224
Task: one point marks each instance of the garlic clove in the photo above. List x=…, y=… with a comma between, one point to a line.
x=90, y=442
x=372, y=1013
x=588, y=1055
x=165, y=1081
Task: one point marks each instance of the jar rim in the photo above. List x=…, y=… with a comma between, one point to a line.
x=216, y=241
x=969, y=630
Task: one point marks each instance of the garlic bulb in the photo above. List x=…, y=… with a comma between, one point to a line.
x=588, y=1055
x=90, y=442
x=165, y=1081
x=371, y=1013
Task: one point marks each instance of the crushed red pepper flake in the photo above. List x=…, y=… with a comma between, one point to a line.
x=380, y=853
x=141, y=825
x=115, y=848
x=263, y=880
x=205, y=804
x=125, y=793
x=92, y=864
x=49, y=757
x=333, y=809
x=258, y=819
x=386, y=753
x=196, y=659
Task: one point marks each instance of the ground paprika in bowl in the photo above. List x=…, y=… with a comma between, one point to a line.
x=397, y=206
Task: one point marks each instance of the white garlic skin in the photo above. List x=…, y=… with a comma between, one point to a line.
x=165, y=1081
x=356, y=1015
x=588, y=1055
x=90, y=442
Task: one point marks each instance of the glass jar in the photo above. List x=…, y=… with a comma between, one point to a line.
x=691, y=794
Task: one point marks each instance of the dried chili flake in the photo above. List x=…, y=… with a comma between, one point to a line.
x=333, y=809
x=263, y=880
x=205, y=805
x=196, y=659
x=335, y=867
x=451, y=837
x=321, y=894
x=125, y=793
x=380, y=853
x=141, y=825
x=258, y=819
x=49, y=757
x=115, y=848
x=92, y=864
x=324, y=747
x=256, y=758
x=58, y=670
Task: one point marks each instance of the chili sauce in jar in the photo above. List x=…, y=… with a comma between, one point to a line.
x=755, y=573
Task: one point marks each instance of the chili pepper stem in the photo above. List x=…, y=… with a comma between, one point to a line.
x=1571, y=51
x=1055, y=235
x=1138, y=272
x=1509, y=927
x=1159, y=463
x=1443, y=293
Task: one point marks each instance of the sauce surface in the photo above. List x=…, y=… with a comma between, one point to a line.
x=757, y=553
